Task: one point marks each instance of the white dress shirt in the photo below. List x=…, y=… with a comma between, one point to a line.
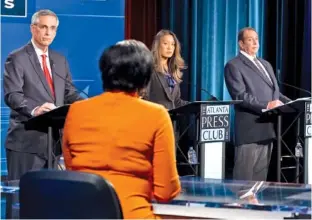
x=251, y=58
x=39, y=52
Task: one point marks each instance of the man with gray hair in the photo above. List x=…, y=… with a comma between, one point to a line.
x=36, y=80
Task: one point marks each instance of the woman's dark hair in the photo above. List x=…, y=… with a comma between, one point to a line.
x=126, y=66
x=175, y=63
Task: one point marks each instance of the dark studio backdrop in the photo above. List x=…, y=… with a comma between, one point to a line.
x=207, y=30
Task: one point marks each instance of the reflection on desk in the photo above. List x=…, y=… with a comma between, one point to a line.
x=207, y=198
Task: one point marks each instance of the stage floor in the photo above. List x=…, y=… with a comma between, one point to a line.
x=276, y=200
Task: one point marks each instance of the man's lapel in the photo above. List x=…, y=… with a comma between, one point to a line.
x=254, y=68
x=37, y=67
x=57, y=80
x=268, y=69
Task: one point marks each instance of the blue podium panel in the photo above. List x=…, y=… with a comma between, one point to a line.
x=86, y=28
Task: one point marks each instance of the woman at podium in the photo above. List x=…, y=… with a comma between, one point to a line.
x=127, y=140
x=164, y=87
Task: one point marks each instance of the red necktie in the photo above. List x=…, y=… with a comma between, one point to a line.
x=47, y=73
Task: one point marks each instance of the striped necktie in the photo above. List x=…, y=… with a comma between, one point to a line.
x=257, y=62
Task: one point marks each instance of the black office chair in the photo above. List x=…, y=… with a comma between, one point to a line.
x=53, y=194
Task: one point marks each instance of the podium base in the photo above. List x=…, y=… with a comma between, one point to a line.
x=308, y=161
x=212, y=163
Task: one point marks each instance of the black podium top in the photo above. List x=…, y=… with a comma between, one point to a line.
x=54, y=118
x=294, y=106
x=194, y=107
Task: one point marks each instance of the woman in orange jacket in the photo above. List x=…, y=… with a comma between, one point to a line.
x=127, y=140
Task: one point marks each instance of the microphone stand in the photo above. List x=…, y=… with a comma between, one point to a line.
x=66, y=80
x=212, y=97
x=72, y=86
x=294, y=87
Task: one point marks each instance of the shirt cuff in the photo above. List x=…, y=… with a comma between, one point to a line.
x=33, y=111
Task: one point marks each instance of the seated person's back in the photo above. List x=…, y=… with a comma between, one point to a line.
x=126, y=140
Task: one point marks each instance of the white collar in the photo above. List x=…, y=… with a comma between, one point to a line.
x=247, y=55
x=39, y=52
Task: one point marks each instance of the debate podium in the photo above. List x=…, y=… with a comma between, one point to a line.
x=48, y=123
x=212, y=121
x=296, y=109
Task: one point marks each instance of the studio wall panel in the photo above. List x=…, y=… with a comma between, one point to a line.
x=86, y=28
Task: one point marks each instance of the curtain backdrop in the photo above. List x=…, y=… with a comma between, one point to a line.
x=208, y=31
x=288, y=49
x=306, y=53
x=289, y=46
x=141, y=21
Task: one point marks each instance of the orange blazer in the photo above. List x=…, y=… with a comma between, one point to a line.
x=128, y=141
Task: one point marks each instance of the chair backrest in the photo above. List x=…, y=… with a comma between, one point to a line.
x=53, y=194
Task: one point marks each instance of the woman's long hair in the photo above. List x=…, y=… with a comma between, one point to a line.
x=175, y=63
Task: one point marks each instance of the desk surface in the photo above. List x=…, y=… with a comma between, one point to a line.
x=204, y=198
x=201, y=197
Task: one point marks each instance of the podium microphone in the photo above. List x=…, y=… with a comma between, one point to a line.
x=213, y=98
x=295, y=87
x=291, y=86
x=66, y=80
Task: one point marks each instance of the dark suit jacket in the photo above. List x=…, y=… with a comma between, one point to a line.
x=25, y=87
x=245, y=82
x=158, y=91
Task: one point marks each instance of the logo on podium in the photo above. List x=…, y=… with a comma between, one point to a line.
x=215, y=123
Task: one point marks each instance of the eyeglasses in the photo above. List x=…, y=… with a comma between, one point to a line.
x=45, y=27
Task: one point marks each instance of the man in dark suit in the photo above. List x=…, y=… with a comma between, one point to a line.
x=36, y=80
x=251, y=79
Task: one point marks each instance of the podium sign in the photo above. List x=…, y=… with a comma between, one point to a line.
x=308, y=142
x=214, y=123
x=308, y=120
x=212, y=132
